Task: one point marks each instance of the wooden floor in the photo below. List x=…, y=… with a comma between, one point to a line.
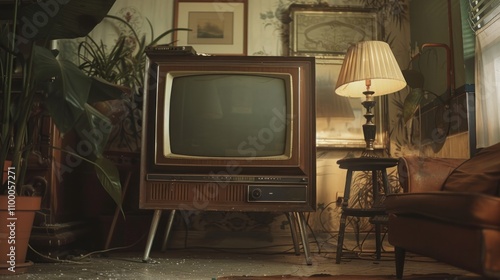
x=211, y=264
x=240, y=256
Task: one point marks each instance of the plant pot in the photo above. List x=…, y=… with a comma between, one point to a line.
x=6, y=165
x=15, y=231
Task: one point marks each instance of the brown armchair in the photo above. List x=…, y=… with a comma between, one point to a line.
x=449, y=211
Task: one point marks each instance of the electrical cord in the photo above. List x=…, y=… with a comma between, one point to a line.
x=77, y=260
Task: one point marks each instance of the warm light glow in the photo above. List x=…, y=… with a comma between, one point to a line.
x=369, y=63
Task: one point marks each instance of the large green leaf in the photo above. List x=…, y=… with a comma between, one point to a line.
x=67, y=99
x=50, y=20
x=411, y=103
x=68, y=91
x=93, y=129
x=108, y=175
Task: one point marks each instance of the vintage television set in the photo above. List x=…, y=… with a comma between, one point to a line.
x=228, y=133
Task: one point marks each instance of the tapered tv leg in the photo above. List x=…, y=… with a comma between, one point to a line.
x=167, y=230
x=301, y=221
x=152, y=233
x=293, y=229
x=400, y=261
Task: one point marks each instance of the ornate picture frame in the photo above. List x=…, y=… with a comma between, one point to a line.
x=217, y=27
x=318, y=30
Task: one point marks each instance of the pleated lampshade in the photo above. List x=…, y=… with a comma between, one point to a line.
x=372, y=64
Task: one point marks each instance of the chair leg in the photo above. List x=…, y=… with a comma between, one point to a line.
x=340, y=242
x=378, y=242
x=400, y=261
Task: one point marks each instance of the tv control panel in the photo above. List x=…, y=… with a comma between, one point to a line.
x=228, y=178
x=282, y=193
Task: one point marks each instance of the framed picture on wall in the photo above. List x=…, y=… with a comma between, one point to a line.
x=217, y=27
x=330, y=30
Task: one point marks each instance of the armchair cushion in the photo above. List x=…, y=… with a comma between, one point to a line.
x=459, y=208
x=481, y=173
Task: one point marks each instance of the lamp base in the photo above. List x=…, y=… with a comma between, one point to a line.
x=369, y=128
x=369, y=154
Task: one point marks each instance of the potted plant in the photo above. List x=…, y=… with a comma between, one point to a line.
x=33, y=83
x=419, y=97
x=121, y=60
x=122, y=63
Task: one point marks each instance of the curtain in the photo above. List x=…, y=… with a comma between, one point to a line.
x=488, y=81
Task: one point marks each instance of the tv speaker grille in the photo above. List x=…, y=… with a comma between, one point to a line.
x=170, y=192
x=176, y=191
x=236, y=193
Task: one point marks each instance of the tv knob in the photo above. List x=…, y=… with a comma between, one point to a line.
x=256, y=193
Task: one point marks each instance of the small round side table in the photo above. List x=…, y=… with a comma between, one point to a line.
x=377, y=166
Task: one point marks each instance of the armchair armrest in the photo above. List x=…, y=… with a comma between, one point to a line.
x=423, y=174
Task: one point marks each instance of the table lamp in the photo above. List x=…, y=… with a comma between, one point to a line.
x=369, y=69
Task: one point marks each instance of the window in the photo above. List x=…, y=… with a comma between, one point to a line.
x=485, y=20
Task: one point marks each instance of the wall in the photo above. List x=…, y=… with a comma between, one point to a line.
x=267, y=36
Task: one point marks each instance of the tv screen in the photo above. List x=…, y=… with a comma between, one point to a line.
x=223, y=114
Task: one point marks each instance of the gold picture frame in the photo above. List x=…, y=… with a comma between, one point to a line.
x=217, y=27
x=320, y=31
